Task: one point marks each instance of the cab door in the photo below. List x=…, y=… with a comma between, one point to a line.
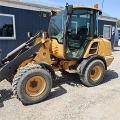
x=76, y=40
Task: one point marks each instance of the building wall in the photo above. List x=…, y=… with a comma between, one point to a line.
x=25, y=21
x=101, y=24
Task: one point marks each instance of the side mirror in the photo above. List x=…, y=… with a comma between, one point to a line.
x=69, y=9
x=100, y=12
x=53, y=13
x=29, y=34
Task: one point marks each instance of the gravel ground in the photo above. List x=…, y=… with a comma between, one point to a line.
x=69, y=99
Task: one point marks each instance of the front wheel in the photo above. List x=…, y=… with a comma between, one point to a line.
x=94, y=73
x=32, y=84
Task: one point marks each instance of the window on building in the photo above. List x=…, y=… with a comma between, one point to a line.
x=119, y=33
x=107, y=31
x=7, y=26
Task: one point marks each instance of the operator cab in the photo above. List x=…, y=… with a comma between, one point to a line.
x=74, y=27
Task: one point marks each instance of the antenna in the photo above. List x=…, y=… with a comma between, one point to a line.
x=102, y=4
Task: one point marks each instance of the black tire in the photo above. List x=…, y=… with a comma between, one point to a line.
x=94, y=73
x=26, y=90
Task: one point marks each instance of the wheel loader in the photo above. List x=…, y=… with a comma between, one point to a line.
x=71, y=44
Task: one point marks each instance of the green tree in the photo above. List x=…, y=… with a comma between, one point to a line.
x=118, y=23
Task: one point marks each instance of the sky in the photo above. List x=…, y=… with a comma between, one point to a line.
x=111, y=7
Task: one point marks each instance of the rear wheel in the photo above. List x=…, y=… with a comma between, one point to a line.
x=94, y=73
x=32, y=84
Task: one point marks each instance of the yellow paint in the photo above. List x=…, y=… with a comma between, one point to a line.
x=98, y=46
x=26, y=62
x=56, y=10
x=57, y=49
x=85, y=7
x=109, y=59
x=65, y=64
x=103, y=49
x=96, y=73
x=35, y=86
x=80, y=7
x=42, y=55
x=38, y=40
x=44, y=52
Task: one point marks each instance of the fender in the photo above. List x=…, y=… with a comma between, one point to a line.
x=83, y=64
x=48, y=67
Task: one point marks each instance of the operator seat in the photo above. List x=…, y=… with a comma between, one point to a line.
x=82, y=33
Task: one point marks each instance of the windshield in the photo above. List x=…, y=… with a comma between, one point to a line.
x=79, y=25
x=56, y=25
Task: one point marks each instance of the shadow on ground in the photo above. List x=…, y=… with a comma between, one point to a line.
x=66, y=78
x=58, y=89
x=109, y=76
x=5, y=95
x=73, y=80
x=116, y=50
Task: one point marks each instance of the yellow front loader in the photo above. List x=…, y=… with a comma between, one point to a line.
x=71, y=44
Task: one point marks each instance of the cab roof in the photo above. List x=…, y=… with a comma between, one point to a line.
x=79, y=7
x=86, y=7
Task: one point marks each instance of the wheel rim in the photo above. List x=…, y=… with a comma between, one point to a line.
x=96, y=73
x=35, y=86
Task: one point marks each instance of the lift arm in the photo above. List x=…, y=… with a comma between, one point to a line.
x=17, y=56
